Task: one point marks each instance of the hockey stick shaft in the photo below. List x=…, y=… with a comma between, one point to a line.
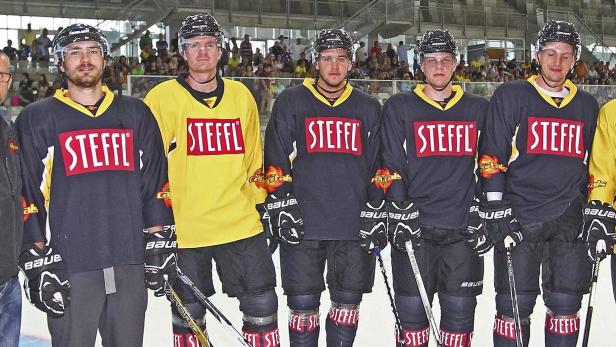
x=514, y=300
x=591, y=299
x=423, y=293
x=183, y=311
x=224, y=321
x=399, y=336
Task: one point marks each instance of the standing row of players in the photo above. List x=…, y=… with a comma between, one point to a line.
x=341, y=178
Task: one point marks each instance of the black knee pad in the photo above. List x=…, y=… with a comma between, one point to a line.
x=259, y=305
x=457, y=312
x=304, y=302
x=526, y=304
x=196, y=310
x=562, y=304
x=411, y=312
x=343, y=297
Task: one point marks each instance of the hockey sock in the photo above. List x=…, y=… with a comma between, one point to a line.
x=257, y=335
x=304, y=328
x=260, y=327
x=184, y=337
x=341, y=324
x=561, y=330
x=457, y=320
x=503, y=332
x=417, y=337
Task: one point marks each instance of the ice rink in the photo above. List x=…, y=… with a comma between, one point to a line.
x=376, y=323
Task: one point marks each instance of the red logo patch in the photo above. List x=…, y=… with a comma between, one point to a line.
x=555, y=136
x=274, y=178
x=91, y=150
x=447, y=138
x=165, y=195
x=29, y=209
x=333, y=134
x=13, y=146
x=383, y=178
x=214, y=136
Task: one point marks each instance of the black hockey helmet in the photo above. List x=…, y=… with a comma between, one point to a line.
x=560, y=31
x=437, y=40
x=200, y=25
x=77, y=33
x=332, y=38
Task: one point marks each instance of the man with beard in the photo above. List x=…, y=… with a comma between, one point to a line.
x=94, y=175
x=321, y=150
x=211, y=134
x=534, y=151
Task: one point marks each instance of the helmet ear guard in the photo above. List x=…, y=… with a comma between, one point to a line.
x=76, y=33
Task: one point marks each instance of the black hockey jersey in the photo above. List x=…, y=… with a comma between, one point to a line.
x=535, y=151
x=91, y=184
x=429, y=153
x=325, y=155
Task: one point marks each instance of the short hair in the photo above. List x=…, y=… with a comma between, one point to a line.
x=5, y=57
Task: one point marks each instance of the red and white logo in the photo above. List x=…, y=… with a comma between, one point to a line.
x=344, y=316
x=416, y=338
x=214, y=136
x=452, y=339
x=446, y=138
x=555, y=136
x=567, y=325
x=91, y=150
x=504, y=327
x=333, y=134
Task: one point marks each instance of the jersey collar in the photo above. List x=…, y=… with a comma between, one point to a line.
x=568, y=84
x=309, y=83
x=62, y=96
x=419, y=90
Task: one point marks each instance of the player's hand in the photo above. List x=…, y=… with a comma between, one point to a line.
x=160, y=259
x=46, y=284
x=403, y=224
x=599, y=223
x=272, y=243
x=373, y=226
x=285, y=217
x=475, y=232
x=500, y=223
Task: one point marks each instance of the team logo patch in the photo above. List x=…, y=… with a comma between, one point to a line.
x=258, y=179
x=214, y=136
x=555, y=136
x=592, y=183
x=165, y=195
x=91, y=150
x=29, y=209
x=13, y=146
x=274, y=178
x=333, y=135
x=445, y=138
x=383, y=179
x=489, y=165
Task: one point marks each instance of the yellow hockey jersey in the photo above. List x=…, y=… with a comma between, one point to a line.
x=214, y=152
x=602, y=167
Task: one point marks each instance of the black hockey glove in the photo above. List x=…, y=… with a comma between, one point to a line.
x=403, y=224
x=373, y=226
x=285, y=218
x=599, y=223
x=272, y=243
x=500, y=223
x=160, y=259
x=46, y=285
x=475, y=232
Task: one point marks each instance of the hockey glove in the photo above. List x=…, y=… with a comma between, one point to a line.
x=500, y=223
x=46, y=285
x=373, y=226
x=160, y=259
x=403, y=224
x=475, y=232
x=285, y=218
x=599, y=223
x=272, y=243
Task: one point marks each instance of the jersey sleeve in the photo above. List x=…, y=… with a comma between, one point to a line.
x=254, y=147
x=36, y=162
x=280, y=147
x=374, y=153
x=166, y=125
x=602, y=166
x=154, y=183
x=392, y=177
x=499, y=128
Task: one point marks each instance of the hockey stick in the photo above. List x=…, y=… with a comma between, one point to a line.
x=423, y=293
x=513, y=293
x=183, y=311
x=224, y=321
x=599, y=255
x=399, y=337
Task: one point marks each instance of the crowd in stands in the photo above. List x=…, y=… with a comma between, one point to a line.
x=239, y=59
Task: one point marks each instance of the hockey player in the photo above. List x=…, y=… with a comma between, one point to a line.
x=92, y=171
x=211, y=134
x=429, y=149
x=599, y=214
x=321, y=147
x=533, y=164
